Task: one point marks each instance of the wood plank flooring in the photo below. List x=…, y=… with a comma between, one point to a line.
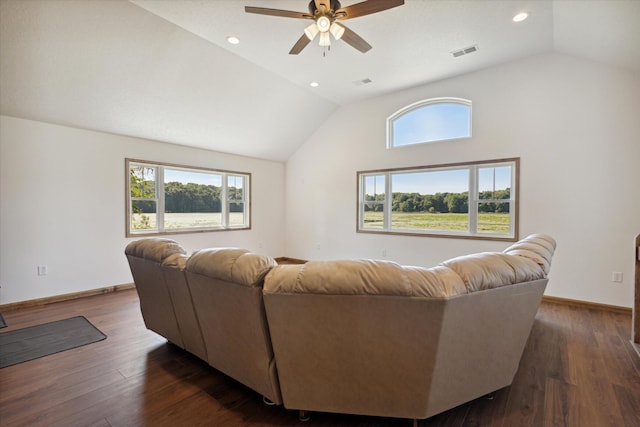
x=579, y=369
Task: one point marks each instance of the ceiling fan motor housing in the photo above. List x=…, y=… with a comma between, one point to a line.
x=334, y=5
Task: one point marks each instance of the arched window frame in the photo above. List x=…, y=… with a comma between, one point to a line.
x=426, y=104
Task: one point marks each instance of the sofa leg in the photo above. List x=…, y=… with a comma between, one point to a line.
x=268, y=402
x=303, y=416
x=414, y=423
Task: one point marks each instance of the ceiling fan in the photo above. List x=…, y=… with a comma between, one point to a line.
x=325, y=13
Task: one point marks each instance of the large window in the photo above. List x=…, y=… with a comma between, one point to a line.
x=432, y=120
x=165, y=198
x=472, y=200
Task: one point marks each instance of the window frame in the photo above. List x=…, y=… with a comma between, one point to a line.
x=159, y=168
x=473, y=200
x=423, y=104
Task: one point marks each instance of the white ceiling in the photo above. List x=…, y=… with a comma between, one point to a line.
x=163, y=69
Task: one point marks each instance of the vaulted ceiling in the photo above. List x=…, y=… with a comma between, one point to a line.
x=164, y=70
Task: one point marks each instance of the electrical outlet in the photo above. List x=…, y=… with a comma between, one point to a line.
x=384, y=253
x=616, y=277
x=42, y=270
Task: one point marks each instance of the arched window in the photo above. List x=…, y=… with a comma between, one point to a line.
x=431, y=120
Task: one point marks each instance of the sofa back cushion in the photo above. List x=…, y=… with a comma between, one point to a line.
x=154, y=249
x=231, y=265
x=527, y=260
x=363, y=277
x=537, y=247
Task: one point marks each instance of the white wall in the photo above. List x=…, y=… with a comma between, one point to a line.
x=62, y=204
x=574, y=124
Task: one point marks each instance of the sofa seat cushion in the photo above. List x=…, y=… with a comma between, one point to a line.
x=363, y=277
x=231, y=265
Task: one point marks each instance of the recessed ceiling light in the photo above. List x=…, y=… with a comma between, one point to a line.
x=314, y=84
x=233, y=40
x=520, y=17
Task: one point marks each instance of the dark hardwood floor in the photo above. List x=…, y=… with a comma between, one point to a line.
x=579, y=369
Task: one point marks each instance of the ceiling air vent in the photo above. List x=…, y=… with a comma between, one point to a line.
x=465, y=51
x=362, y=81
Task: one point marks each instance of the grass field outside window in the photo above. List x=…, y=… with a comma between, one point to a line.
x=177, y=221
x=487, y=222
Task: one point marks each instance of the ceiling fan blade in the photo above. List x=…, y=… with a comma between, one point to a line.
x=300, y=44
x=355, y=40
x=366, y=8
x=277, y=12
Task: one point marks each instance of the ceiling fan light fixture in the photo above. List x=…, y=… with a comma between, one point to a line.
x=325, y=39
x=336, y=30
x=311, y=31
x=323, y=23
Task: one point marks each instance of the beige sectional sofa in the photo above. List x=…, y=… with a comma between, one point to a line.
x=157, y=266
x=350, y=336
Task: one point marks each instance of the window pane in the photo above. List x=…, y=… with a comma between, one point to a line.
x=374, y=188
x=373, y=215
x=191, y=199
x=235, y=192
x=494, y=183
x=431, y=200
x=372, y=209
x=235, y=189
x=494, y=218
x=432, y=122
x=143, y=215
x=236, y=215
x=235, y=198
x=142, y=182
